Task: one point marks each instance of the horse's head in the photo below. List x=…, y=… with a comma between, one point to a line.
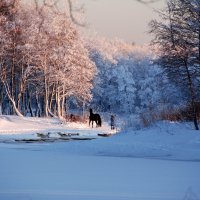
x=90, y=110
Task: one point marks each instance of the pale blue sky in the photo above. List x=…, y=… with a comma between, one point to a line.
x=126, y=19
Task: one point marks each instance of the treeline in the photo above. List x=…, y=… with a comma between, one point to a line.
x=43, y=62
x=45, y=66
x=128, y=80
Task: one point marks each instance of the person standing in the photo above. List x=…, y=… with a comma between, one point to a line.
x=112, y=122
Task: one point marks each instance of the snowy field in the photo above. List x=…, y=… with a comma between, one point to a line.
x=161, y=162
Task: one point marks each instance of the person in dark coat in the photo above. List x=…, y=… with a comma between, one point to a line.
x=112, y=122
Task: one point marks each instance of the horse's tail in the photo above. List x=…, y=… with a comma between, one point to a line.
x=99, y=121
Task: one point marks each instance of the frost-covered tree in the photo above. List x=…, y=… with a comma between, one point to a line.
x=127, y=80
x=113, y=88
x=50, y=61
x=10, y=53
x=63, y=61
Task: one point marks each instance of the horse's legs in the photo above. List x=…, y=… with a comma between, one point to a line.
x=97, y=124
x=90, y=122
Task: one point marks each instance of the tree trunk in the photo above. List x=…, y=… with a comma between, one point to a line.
x=46, y=96
x=21, y=89
x=12, y=100
x=38, y=110
x=58, y=103
x=63, y=102
x=1, y=98
x=15, y=108
x=23, y=104
x=192, y=93
x=29, y=103
x=51, y=98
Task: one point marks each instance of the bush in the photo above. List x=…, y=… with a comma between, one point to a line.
x=76, y=118
x=179, y=114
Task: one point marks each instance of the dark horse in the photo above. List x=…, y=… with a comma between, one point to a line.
x=95, y=117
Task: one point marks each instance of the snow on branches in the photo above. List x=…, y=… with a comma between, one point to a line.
x=128, y=81
x=44, y=58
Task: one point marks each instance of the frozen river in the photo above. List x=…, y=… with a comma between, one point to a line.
x=51, y=172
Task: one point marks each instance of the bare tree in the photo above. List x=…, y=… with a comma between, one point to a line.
x=178, y=45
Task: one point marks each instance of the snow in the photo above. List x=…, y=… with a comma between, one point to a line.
x=160, y=162
x=13, y=127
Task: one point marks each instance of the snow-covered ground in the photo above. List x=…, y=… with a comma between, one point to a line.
x=15, y=128
x=161, y=162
